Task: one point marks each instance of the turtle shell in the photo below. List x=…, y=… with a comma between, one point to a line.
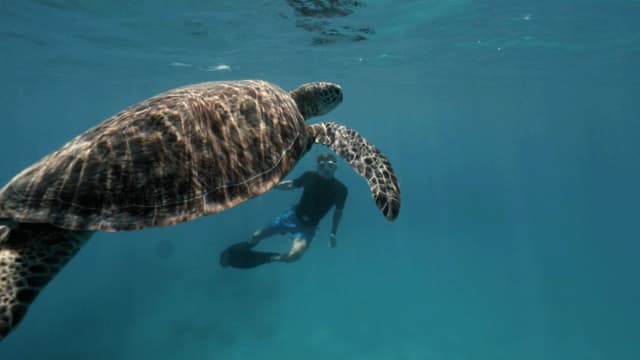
x=182, y=154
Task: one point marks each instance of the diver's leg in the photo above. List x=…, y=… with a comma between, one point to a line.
x=262, y=233
x=240, y=254
x=298, y=247
x=302, y=236
x=280, y=225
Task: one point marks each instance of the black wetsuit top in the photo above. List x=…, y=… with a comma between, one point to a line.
x=319, y=195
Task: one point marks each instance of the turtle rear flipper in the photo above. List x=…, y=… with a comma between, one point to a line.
x=366, y=160
x=30, y=256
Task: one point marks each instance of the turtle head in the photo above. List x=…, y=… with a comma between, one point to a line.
x=317, y=98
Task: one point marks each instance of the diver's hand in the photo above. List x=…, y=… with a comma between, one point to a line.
x=332, y=240
x=285, y=185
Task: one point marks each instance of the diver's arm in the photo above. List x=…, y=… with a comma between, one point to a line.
x=337, y=216
x=293, y=184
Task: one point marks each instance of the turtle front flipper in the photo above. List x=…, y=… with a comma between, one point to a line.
x=366, y=160
x=30, y=256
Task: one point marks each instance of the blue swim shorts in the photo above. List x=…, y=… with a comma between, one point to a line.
x=288, y=222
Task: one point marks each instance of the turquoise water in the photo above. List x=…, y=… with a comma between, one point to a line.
x=513, y=129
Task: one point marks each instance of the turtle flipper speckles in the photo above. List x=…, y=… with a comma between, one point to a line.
x=30, y=256
x=366, y=160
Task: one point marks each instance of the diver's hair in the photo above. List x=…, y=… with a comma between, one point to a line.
x=325, y=156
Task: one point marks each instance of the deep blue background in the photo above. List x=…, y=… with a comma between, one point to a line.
x=513, y=129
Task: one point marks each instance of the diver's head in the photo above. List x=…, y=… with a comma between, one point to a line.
x=326, y=165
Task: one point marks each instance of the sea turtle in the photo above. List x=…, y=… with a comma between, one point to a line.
x=182, y=154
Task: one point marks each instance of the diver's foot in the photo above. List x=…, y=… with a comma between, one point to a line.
x=252, y=242
x=224, y=258
x=227, y=257
x=277, y=257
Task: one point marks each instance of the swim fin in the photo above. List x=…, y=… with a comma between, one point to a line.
x=241, y=256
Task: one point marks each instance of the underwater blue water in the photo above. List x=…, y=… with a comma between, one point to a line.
x=513, y=129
